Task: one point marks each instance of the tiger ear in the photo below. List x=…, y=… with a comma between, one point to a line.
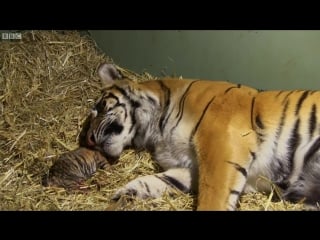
x=108, y=73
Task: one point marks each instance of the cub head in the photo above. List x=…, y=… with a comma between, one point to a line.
x=110, y=126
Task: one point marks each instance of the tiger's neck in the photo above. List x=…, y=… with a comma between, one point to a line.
x=147, y=126
x=149, y=117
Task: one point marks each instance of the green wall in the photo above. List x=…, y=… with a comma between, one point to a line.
x=262, y=59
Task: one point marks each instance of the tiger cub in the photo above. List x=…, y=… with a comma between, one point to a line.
x=213, y=138
x=72, y=168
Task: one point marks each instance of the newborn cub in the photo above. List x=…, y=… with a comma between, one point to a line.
x=72, y=168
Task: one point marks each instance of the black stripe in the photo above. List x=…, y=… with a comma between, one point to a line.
x=81, y=163
x=279, y=131
x=293, y=143
x=253, y=155
x=239, y=168
x=278, y=94
x=111, y=95
x=141, y=183
x=228, y=89
x=122, y=91
x=104, y=90
x=73, y=162
x=133, y=118
x=90, y=166
x=127, y=96
x=173, y=182
x=151, y=100
x=183, y=98
x=258, y=122
x=167, y=95
x=301, y=99
x=260, y=137
x=113, y=127
x=282, y=120
x=167, y=118
x=134, y=106
x=200, y=119
x=100, y=106
x=181, y=104
x=147, y=187
x=312, y=120
x=234, y=192
x=312, y=150
x=252, y=109
x=287, y=96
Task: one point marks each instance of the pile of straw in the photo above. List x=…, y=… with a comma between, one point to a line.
x=48, y=83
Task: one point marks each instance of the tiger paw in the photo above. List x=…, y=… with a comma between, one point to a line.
x=124, y=192
x=143, y=187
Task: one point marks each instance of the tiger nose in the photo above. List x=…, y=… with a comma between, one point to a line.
x=91, y=141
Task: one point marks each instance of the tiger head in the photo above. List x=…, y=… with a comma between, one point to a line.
x=110, y=126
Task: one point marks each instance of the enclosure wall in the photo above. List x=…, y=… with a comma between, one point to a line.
x=263, y=59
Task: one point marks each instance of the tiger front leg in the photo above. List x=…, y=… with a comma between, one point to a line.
x=223, y=170
x=220, y=188
x=154, y=186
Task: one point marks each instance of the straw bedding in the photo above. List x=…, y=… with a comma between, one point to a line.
x=48, y=83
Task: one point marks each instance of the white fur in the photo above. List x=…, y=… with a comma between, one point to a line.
x=152, y=186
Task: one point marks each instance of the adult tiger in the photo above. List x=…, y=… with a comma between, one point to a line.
x=211, y=137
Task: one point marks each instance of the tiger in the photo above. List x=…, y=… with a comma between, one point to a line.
x=72, y=168
x=211, y=138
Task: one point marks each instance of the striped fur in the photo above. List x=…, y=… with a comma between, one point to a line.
x=213, y=138
x=72, y=168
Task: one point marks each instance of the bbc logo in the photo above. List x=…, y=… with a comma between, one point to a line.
x=11, y=36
